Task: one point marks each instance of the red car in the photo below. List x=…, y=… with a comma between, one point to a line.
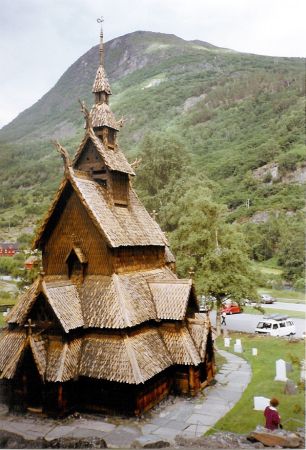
x=233, y=308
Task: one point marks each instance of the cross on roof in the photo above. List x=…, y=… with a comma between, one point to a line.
x=154, y=214
x=30, y=325
x=191, y=272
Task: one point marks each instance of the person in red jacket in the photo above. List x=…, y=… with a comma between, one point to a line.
x=271, y=414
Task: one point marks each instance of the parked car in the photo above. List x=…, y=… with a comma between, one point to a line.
x=276, y=325
x=205, y=303
x=266, y=298
x=231, y=308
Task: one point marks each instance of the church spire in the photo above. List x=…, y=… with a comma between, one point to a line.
x=103, y=120
x=101, y=87
x=101, y=49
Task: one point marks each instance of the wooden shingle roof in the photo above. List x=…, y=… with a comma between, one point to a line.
x=114, y=159
x=63, y=360
x=126, y=359
x=180, y=344
x=132, y=357
x=12, y=345
x=169, y=256
x=199, y=329
x=171, y=298
x=20, y=311
x=121, y=301
x=102, y=116
x=117, y=302
x=128, y=226
x=64, y=299
x=38, y=346
x=101, y=83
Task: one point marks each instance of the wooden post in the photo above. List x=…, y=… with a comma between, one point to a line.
x=60, y=400
x=192, y=386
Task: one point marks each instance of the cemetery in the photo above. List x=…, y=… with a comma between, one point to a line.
x=278, y=370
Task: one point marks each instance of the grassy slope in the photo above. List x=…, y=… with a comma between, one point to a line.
x=242, y=418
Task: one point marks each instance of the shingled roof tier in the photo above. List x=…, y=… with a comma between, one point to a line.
x=12, y=345
x=129, y=358
x=128, y=226
x=102, y=116
x=63, y=298
x=118, y=301
x=114, y=159
x=101, y=83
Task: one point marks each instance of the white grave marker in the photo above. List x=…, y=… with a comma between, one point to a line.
x=238, y=342
x=238, y=348
x=260, y=403
x=281, y=374
x=254, y=351
x=227, y=342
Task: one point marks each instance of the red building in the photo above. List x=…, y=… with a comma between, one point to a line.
x=8, y=248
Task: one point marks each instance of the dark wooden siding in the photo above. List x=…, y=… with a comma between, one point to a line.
x=120, y=188
x=75, y=224
x=129, y=259
x=89, y=159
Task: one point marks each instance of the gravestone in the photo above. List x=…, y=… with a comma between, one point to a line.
x=288, y=367
x=281, y=374
x=227, y=342
x=260, y=403
x=238, y=348
x=238, y=341
x=254, y=351
x=290, y=388
x=303, y=370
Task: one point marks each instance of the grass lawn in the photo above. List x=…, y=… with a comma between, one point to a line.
x=296, y=314
x=242, y=418
x=5, y=300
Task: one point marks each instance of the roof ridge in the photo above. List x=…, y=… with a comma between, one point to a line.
x=133, y=360
x=11, y=363
x=121, y=298
x=183, y=332
x=62, y=363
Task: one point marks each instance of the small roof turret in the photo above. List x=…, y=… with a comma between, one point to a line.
x=101, y=114
x=101, y=83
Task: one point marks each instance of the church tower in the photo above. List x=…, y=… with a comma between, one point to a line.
x=108, y=317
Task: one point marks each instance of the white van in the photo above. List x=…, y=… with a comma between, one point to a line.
x=276, y=325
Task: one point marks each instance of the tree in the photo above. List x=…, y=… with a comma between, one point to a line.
x=163, y=160
x=215, y=249
x=290, y=253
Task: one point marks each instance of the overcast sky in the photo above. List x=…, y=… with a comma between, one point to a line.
x=40, y=39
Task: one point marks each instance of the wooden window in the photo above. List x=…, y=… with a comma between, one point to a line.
x=111, y=138
x=76, y=267
x=120, y=184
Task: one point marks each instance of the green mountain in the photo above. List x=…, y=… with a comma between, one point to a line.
x=239, y=116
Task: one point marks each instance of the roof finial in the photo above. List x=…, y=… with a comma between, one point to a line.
x=101, y=49
x=64, y=154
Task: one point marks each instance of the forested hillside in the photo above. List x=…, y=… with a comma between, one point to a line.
x=205, y=121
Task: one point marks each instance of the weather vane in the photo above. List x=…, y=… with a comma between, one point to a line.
x=101, y=50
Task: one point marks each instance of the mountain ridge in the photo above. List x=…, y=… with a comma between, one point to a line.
x=234, y=112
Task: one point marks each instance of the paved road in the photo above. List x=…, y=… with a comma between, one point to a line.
x=286, y=306
x=247, y=322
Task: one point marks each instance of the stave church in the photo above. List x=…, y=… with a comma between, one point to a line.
x=107, y=326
